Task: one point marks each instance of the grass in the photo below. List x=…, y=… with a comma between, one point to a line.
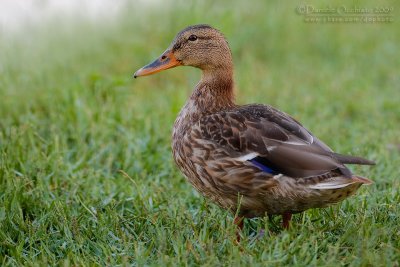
x=86, y=172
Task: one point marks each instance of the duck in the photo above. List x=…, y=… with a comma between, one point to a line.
x=253, y=159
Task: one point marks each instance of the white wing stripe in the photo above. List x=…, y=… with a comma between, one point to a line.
x=247, y=157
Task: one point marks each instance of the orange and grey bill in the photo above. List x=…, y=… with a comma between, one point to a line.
x=166, y=61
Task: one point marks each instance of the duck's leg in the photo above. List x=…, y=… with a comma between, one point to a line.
x=239, y=222
x=286, y=217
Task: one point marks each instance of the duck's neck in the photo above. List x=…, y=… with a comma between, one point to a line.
x=214, y=92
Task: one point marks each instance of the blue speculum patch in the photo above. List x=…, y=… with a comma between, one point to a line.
x=260, y=163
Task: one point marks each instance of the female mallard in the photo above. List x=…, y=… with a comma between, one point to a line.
x=253, y=159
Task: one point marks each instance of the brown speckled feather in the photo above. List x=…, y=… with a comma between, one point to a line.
x=217, y=146
x=285, y=144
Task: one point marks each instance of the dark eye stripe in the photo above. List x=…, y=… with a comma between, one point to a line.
x=191, y=38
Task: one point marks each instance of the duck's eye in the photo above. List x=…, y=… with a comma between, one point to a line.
x=192, y=38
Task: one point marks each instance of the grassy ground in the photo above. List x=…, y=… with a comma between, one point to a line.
x=86, y=172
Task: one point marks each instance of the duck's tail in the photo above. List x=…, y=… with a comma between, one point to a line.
x=341, y=182
x=361, y=180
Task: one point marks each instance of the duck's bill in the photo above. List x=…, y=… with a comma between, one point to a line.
x=166, y=61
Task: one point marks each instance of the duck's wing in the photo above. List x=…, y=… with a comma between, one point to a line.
x=272, y=141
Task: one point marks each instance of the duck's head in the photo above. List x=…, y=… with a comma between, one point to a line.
x=200, y=46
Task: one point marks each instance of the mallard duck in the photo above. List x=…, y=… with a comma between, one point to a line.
x=253, y=160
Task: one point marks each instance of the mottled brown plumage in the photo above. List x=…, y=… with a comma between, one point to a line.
x=253, y=159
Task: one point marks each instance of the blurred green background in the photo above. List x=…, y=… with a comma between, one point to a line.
x=86, y=172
